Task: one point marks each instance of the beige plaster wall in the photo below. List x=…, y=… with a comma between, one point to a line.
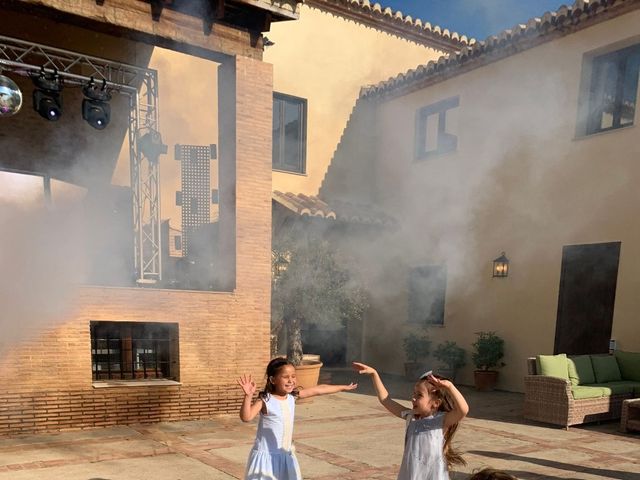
x=327, y=59
x=522, y=182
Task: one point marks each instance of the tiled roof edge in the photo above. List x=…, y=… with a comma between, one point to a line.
x=537, y=30
x=394, y=22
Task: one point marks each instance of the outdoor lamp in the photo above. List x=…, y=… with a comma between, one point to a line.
x=279, y=263
x=501, y=266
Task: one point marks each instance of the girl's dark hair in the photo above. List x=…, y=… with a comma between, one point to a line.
x=274, y=366
x=491, y=474
x=451, y=455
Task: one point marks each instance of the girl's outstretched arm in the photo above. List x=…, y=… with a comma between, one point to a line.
x=248, y=411
x=459, y=409
x=325, y=390
x=386, y=401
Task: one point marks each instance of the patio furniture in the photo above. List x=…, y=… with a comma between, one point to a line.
x=579, y=389
x=630, y=419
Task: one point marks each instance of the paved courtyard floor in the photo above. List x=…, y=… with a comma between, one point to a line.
x=343, y=436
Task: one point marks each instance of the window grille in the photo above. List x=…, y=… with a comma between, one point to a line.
x=134, y=351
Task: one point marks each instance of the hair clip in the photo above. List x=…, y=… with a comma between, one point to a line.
x=425, y=375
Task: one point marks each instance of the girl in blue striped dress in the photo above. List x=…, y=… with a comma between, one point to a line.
x=437, y=407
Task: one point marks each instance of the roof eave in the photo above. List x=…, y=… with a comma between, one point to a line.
x=394, y=24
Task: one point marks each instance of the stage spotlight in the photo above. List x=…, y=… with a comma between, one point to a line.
x=47, y=96
x=95, y=108
x=10, y=97
x=151, y=146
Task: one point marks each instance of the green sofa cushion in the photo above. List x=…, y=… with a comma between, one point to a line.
x=580, y=392
x=580, y=370
x=606, y=368
x=629, y=363
x=553, y=365
x=616, y=388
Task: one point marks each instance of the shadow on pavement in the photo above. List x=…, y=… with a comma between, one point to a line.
x=599, y=472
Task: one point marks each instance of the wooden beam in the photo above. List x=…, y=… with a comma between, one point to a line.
x=156, y=9
x=212, y=11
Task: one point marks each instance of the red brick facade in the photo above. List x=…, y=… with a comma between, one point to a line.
x=47, y=380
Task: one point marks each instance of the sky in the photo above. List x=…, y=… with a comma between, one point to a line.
x=474, y=18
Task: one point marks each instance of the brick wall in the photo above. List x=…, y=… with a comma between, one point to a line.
x=46, y=379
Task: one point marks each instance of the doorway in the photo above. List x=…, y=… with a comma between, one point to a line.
x=586, y=298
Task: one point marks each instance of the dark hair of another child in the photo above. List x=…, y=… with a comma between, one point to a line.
x=451, y=455
x=491, y=474
x=274, y=366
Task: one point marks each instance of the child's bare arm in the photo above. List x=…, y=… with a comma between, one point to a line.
x=248, y=411
x=325, y=390
x=459, y=409
x=383, y=396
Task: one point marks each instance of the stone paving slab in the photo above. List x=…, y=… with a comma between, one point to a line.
x=347, y=436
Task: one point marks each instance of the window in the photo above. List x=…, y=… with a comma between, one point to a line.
x=134, y=351
x=427, y=286
x=289, y=133
x=613, y=88
x=432, y=137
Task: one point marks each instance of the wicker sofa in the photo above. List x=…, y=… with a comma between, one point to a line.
x=570, y=396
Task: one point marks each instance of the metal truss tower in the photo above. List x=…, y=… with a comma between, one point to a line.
x=145, y=145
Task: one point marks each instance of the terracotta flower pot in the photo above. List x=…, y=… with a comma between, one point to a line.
x=307, y=374
x=485, y=380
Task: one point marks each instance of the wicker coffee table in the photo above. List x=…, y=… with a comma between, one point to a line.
x=630, y=419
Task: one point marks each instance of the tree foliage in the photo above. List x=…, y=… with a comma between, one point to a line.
x=316, y=288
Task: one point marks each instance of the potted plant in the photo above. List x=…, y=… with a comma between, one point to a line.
x=488, y=350
x=452, y=356
x=314, y=289
x=416, y=350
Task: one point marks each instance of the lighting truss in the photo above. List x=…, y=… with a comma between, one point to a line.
x=141, y=86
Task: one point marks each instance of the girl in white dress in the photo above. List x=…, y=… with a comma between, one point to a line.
x=273, y=456
x=438, y=406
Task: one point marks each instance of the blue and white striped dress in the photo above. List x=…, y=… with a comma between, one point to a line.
x=423, y=457
x=273, y=456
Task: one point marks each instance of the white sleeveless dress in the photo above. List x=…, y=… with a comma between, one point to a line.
x=273, y=456
x=423, y=457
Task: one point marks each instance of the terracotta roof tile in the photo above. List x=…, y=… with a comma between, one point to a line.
x=564, y=20
x=394, y=22
x=312, y=206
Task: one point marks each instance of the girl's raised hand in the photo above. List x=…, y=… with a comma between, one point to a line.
x=248, y=385
x=362, y=368
x=436, y=382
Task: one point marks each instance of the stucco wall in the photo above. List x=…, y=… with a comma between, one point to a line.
x=520, y=181
x=327, y=59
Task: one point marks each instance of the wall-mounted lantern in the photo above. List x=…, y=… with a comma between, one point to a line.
x=501, y=266
x=279, y=263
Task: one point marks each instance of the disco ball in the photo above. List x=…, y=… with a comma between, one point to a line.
x=10, y=97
